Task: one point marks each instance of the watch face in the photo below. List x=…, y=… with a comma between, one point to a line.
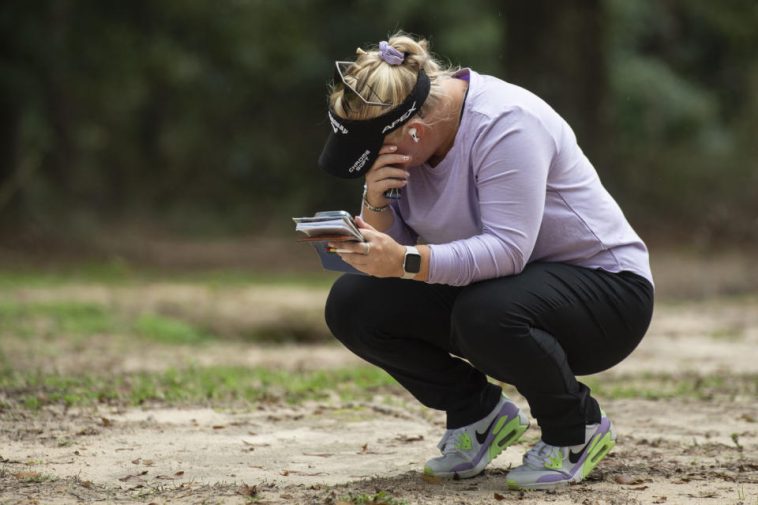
x=412, y=263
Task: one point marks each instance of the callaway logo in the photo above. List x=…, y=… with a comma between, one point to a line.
x=336, y=125
x=360, y=162
x=481, y=437
x=400, y=119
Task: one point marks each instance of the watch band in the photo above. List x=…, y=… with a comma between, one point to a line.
x=410, y=250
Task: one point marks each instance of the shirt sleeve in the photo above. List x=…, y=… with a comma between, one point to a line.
x=511, y=159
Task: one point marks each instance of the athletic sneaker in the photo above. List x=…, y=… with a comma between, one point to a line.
x=467, y=450
x=547, y=466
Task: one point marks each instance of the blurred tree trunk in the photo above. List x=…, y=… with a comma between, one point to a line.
x=558, y=51
x=10, y=123
x=60, y=161
x=11, y=105
x=152, y=122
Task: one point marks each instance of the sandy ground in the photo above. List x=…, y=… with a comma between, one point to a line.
x=673, y=452
x=682, y=450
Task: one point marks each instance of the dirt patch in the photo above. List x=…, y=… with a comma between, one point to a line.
x=673, y=452
x=696, y=449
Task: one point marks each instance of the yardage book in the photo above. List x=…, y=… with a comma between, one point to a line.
x=329, y=226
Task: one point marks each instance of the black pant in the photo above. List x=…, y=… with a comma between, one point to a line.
x=535, y=330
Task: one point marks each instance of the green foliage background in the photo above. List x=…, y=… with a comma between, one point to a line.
x=208, y=117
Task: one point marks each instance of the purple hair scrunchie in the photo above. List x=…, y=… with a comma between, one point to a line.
x=390, y=54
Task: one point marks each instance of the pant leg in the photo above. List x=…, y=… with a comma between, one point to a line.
x=403, y=327
x=538, y=329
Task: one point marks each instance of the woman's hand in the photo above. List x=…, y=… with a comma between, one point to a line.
x=379, y=256
x=388, y=171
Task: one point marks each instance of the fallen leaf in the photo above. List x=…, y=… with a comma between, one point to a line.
x=364, y=450
x=406, y=438
x=124, y=479
x=703, y=494
x=179, y=473
x=660, y=499
x=640, y=488
x=318, y=454
x=86, y=483
x=107, y=423
x=298, y=472
x=136, y=461
x=628, y=479
x=219, y=427
x=246, y=490
x=148, y=462
x=499, y=497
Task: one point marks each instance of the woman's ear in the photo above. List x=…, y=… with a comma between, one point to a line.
x=416, y=130
x=414, y=134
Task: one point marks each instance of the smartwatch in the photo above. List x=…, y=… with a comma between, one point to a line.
x=411, y=262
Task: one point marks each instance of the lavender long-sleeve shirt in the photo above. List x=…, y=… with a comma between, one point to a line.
x=514, y=188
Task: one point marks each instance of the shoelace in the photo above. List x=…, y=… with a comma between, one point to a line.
x=537, y=455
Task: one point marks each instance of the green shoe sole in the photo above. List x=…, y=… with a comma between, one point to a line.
x=506, y=435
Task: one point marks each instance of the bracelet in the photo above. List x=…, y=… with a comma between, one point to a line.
x=372, y=208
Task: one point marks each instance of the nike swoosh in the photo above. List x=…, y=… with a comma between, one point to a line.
x=576, y=456
x=481, y=437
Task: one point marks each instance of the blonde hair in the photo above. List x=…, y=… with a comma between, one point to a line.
x=377, y=80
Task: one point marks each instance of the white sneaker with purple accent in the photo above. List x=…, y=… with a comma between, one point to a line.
x=466, y=451
x=547, y=466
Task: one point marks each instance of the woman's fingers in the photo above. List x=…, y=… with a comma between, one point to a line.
x=394, y=159
x=387, y=149
x=390, y=182
x=388, y=172
x=384, y=178
x=349, y=248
